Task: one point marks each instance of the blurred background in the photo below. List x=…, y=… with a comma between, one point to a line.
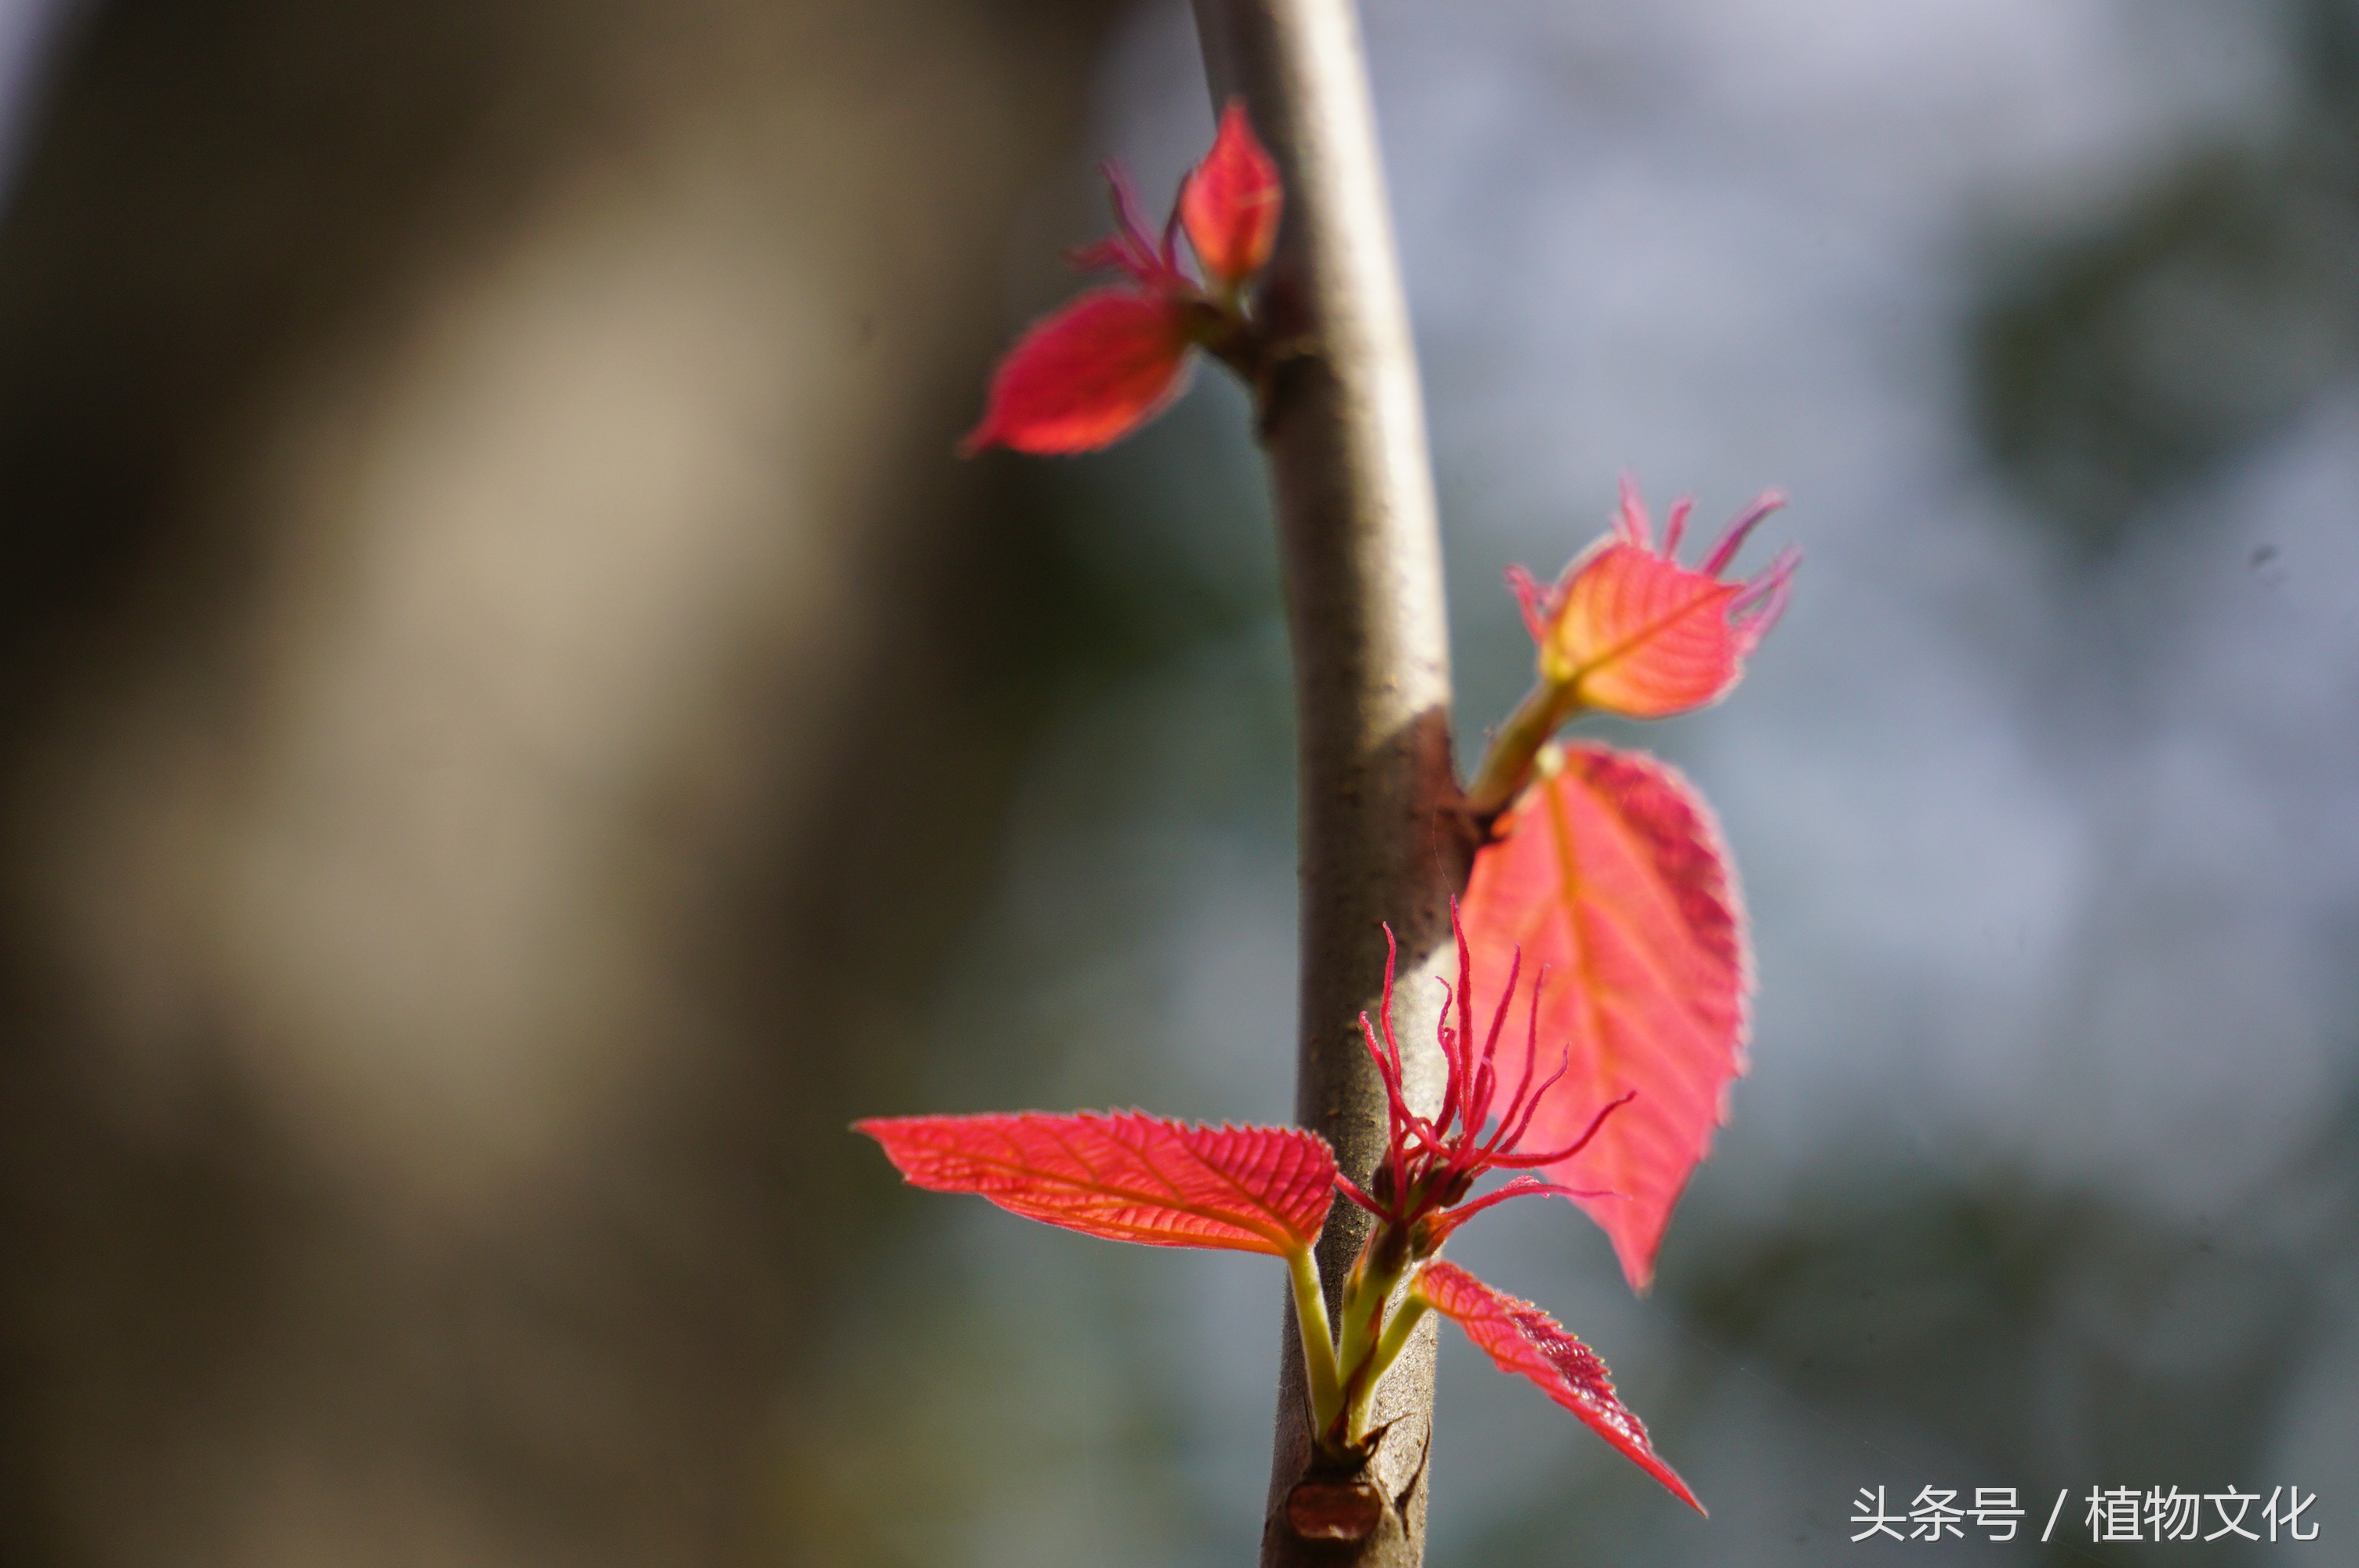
x=514, y=731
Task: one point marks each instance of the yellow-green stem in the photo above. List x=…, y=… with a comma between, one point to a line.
x=1375, y=1274
x=1388, y=1348
x=1508, y=762
x=1319, y=1364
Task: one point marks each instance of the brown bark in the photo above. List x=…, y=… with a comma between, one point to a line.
x=1345, y=429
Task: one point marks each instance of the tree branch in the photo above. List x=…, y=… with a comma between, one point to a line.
x=1344, y=425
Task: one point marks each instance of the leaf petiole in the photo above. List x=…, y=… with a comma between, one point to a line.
x=1319, y=1364
x=1515, y=748
x=1366, y=1291
x=1395, y=1340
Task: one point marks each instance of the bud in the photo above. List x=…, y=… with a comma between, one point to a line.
x=1231, y=202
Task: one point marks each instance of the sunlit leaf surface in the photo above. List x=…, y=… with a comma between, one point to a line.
x=1087, y=375
x=1526, y=1341
x=1610, y=873
x=1126, y=1175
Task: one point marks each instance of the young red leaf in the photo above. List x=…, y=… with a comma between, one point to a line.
x=1609, y=873
x=1628, y=630
x=1088, y=376
x=1126, y=1175
x=1231, y=202
x=1526, y=1341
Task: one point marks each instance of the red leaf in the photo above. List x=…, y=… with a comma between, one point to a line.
x=1610, y=874
x=1087, y=375
x=1644, y=636
x=1231, y=202
x=1525, y=1340
x=1126, y=1175
x=1632, y=631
